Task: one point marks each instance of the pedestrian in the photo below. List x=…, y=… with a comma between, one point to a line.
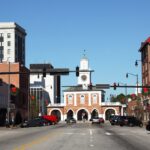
x=7, y=122
x=12, y=120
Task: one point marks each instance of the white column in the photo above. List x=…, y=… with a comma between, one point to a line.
x=75, y=99
x=100, y=97
x=89, y=96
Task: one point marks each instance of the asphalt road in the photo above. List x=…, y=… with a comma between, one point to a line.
x=80, y=136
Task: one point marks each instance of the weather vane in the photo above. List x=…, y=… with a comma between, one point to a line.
x=84, y=53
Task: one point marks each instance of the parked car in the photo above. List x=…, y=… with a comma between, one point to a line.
x=70, y=120
x=95, y=120
x=131, y=121
x=114, y=120
x=36, y=122
x=148, y=126
x=101, y=120
x=52, y=118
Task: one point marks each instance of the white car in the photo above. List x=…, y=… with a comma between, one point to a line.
x=95, y=120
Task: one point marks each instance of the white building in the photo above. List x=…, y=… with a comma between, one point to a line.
x=12, y=42
x=45, y=89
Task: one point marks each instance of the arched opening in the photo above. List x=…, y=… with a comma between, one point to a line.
x=94, y=113
x=56, y=113
x=108, y=113
x=70, y=114
x=82, y=114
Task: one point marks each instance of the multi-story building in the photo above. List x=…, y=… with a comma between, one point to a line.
x=12, y=59
x=16, y=102
x=84, y=99
x=45, y=89
x=145, y=59
x=12, y=43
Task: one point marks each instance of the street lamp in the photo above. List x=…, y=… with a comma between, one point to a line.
x=136, y=62
x=136, y=75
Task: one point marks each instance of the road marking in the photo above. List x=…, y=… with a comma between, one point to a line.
x=70, y=133
x=36, y=141
x=108, y=133
x=91, y=145
x=91, y=133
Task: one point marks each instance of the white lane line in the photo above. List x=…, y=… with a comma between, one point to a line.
x=108, y=133
x=91, y=133
x=91, y=145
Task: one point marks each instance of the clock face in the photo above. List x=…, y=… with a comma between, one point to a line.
x=83, y=77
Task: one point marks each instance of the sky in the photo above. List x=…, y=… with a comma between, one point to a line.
x=58, y=32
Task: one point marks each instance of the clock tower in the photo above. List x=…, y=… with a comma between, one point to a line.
x=84, y=78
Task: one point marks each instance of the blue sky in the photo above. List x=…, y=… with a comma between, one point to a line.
x=58, y=31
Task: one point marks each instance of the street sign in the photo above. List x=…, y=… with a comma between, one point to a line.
x=102, y=86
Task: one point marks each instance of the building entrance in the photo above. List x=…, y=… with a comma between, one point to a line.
x=108, y=113
x=56, y=113
x=82, y=114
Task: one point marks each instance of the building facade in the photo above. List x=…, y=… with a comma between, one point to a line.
x=14, y=92
x=45, y=89
x=145, y=59
x=84, y=100
x=12, y=43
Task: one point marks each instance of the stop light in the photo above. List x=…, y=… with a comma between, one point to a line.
x=115, y=86
x=44, y=72
x=77, y=71
x=1, y=82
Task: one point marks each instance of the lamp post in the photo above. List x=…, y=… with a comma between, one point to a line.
x=8, y=104
x=137, y=80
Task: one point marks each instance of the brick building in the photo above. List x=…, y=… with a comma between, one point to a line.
x=16, y=101
x=84, y=100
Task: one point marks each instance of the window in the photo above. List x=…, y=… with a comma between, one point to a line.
x=8, y=51
x=8, y=35
x=94, y=99
x=8, y=43
x=82, y=99
x=70, y=99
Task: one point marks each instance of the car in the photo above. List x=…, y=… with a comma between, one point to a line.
x=52, y=118
x=131, y=121
x=114, y=120
x=95, y=120
x=101, y=120
x=36, y=122
x=70, y=120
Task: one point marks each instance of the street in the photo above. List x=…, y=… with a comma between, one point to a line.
x=80, y=136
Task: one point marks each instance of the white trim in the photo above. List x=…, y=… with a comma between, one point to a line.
x=75, y=99
x=89, y=96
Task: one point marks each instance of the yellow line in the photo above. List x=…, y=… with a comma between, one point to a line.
x=36, y=141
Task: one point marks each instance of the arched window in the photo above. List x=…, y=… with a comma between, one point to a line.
x=70, y=99
x=82, y=99
x=94, y=99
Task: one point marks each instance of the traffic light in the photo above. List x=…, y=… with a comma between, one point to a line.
x=44, y=72
x=115, y=86
x=1, y=82
x=77, y=71
x=90, y=86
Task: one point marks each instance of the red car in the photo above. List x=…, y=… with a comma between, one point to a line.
x=101, y=120
x=52, y=118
